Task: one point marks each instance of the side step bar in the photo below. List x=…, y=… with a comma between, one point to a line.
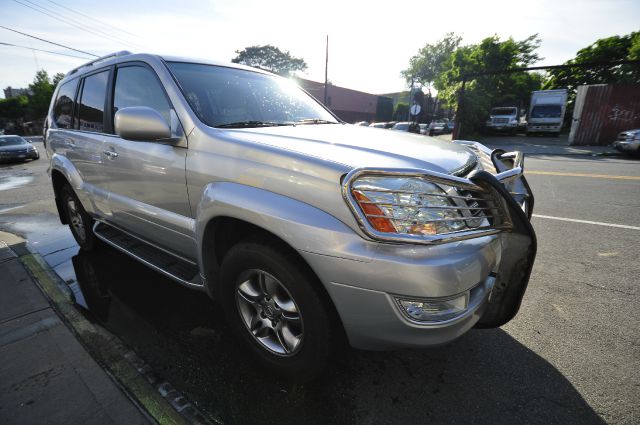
x=169, y=265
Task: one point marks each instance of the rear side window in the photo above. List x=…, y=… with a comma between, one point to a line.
x=91, y=104
x=138, y=86
x=63, y=109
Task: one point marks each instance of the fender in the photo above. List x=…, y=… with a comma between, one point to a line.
x=69, y=171
x=90, y=196
x=302, y=226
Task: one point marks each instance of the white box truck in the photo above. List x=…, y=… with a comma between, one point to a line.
x=546, y=111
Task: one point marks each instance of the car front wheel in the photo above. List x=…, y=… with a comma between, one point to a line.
x=273, y=303
x=80, y=223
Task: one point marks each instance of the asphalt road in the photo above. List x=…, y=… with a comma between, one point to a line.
x=571, y=356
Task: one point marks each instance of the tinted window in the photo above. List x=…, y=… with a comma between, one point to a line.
x=138, y=86
x=504, y=111
x=94, y=91
x=63, y=109
x=546, y=111
x=222, y=96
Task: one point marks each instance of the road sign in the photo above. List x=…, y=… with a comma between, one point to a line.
x=415, y=109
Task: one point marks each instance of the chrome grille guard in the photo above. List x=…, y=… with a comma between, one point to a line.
x=496, y=209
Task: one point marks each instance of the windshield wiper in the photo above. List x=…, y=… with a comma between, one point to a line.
x=250, y=124
x=315, y=121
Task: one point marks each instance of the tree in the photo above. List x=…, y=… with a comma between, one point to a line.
x=270, y=58
x=14, y=107
x=57, y=78
x=431, y=61
x=401, y=112
x=484, y=92
x=41, y=93
x=610, y=49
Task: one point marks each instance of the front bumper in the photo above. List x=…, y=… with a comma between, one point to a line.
x=543, y=128
x=493, y=269
x=19, y=156
x=631, y=146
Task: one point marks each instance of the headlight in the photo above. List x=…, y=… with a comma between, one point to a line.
x=413, y=207
x=513, y=122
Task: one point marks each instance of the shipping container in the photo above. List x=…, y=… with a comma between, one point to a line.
x=602, y=111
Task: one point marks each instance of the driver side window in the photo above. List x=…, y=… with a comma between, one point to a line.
x=138, y=86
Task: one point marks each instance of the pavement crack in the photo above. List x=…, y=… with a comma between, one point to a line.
x=604, y=288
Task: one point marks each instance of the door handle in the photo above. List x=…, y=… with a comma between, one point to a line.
x=111, y=154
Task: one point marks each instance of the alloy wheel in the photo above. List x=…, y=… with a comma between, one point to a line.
x=269, y=312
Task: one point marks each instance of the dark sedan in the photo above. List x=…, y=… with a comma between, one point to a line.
x=15, y=148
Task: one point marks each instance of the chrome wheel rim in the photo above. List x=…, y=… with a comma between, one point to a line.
x=75, y=219
x=269, y=312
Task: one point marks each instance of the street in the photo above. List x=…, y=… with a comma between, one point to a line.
x=570, y=356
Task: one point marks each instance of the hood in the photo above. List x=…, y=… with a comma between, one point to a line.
x=357, y=146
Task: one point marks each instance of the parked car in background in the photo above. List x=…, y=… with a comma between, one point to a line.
x=628, y=142
x=503, y=120
x=546, y=111
x=390, y=124
x=401, y=126
x=362, y=123
x=438, y=127
x=305, y=231
x=16, y=148
x=378, y=125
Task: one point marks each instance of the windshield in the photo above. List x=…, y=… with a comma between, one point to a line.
x=503, y=111
x=546, y=111
x=401, y=126
x=237, y=98
x=12, y=141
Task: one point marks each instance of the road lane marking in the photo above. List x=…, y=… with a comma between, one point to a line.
x=599, y=223
x=598, y=176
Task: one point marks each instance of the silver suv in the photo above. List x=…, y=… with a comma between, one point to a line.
x=305, y=230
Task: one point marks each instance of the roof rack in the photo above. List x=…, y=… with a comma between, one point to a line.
x=100, y=59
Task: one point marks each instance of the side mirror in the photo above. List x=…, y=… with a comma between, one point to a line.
x=141, y=123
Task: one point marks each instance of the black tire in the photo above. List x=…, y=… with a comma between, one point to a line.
x=87, y=240
x=318, y=340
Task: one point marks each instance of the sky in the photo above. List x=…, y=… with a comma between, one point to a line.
x=370, y=42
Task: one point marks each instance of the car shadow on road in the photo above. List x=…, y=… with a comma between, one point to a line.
x=484, y=377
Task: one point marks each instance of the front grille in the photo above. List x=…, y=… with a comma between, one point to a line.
x=500, y=120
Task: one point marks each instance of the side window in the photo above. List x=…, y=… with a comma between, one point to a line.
x=138, y=86
x=94, y=91
x=63, y=108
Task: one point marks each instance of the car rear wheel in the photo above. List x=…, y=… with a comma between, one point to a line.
x=272, y=302
x=80, y=223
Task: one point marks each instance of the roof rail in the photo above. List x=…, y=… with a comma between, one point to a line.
x=100, y=59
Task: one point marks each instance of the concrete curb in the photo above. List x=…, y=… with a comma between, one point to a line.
x=162, y=403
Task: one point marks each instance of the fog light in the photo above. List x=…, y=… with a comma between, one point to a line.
x=435, y=309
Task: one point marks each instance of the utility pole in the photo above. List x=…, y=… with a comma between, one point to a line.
x=326, y=69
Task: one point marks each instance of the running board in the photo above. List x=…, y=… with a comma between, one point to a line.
x=169, y=265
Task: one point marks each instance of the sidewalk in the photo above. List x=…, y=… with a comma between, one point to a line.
x=46, y=376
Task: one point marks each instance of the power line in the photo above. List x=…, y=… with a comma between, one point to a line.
x=42, y=50
x=47, y=41
x=68, y=21
x=92, y=18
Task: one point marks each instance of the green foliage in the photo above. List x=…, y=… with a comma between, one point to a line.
x=270, y=58
x=57, y=78
x=384, y=109
x=610, y=49
x=401, y=111
x=484, y=92
x=14, y=107
x=41, y=92
x=431, y=61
